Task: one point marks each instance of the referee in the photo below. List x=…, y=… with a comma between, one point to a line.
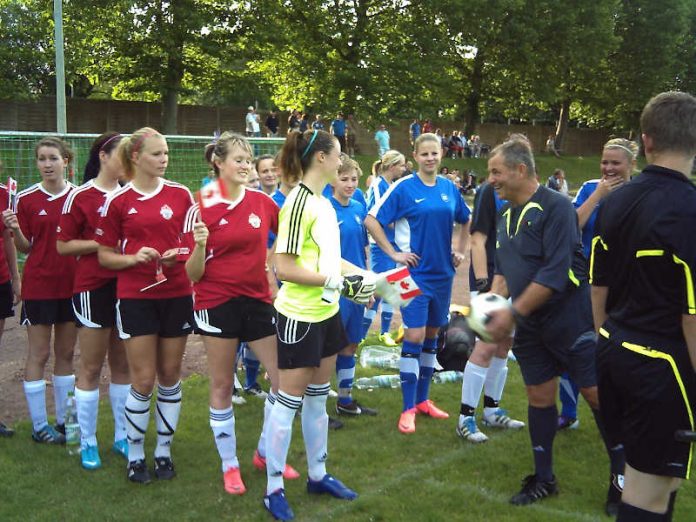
x=643, y=268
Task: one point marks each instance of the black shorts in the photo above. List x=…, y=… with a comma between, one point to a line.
x=304, y=345
x=96, y=308
x=645, y=397
x=170, y=317
x=240, y=318
x=47, y=311
x=562, y=339
x=6, y=300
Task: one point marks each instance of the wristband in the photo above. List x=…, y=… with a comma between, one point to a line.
x=482, y=285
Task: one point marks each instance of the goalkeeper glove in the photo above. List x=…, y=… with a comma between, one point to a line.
x=356, y=287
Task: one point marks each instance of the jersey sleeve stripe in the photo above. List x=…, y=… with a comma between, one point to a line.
x=67, y=206
x=113, y=196
x=295, y=220
x=192, y=216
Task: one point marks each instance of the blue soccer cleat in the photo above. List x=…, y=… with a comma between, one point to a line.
x=331, y=485
x=89, y=457
x=120, y=447
x=277, y=505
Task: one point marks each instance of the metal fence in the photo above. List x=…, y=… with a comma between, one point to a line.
x=186, y=162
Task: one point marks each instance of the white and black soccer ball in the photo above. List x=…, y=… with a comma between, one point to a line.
x=481, y=307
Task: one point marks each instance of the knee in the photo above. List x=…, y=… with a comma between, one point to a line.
x=143, y=383
x=541, y=396
x=221, y=388
x=482, y=354
x=38, y=356
x=591, y=396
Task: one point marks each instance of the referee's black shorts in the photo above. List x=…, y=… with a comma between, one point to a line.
x=645, y=396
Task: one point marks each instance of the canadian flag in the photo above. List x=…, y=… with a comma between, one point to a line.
x=397, y=287
x=213, y=193
x=11, y=192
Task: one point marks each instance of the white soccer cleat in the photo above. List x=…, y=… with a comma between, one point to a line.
x=468, y=430
x=500, y=419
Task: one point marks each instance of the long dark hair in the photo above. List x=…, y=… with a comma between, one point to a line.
x=107, y=142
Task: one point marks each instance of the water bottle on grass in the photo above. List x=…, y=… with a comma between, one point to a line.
x=378, y=381
x=448, y=376
x=379, y=357
x=72, y=428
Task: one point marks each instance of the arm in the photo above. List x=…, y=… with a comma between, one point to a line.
x=270, y=272
x=499, y=286
x=11, y=256
x=599, y=305
x=479, y=260
x=287, y=269
x=12, y=223
x=689, y=329
x=461, y=255
x=604, y=187
x=195, y=264
x=109, y=258
x=76, y=247
x=377, y=232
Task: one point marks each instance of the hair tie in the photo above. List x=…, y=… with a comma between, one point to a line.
x=617, y=146
x=112, y=138
x=141, y=139
x=309, y=146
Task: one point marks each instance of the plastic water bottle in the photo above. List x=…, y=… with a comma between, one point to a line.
x=378, y=381
x=448, y=376
x=72, y=428
x=379, y=357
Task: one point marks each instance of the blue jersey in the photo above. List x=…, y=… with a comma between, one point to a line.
x=357, y=196
x=588, y=231
x=279, y=198
x=353, y=234
x=424, y=219
x=376, y=192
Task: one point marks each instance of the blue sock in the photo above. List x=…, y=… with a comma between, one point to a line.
x=387, y=314
x=251, y=365
x=568, y=393
x=408, y=371
x=542, y=430
x=345, y=373
x=427, y=367
x=368, y=317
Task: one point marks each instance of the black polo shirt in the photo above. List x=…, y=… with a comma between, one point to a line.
x=644, y=251
x=483, y=220
x=539, y=242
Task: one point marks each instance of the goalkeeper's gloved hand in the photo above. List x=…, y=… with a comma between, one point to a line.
x=356, y=287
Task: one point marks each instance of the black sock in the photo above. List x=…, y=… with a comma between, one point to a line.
x=670, y=506
x=617, y=457
x=489, y=402
x=542, y=430
x=466, y=410
x=629, y=513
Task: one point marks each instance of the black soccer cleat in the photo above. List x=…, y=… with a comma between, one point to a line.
x=164, y=468
x=534, y=489
x=354, y=408
x=137, y=472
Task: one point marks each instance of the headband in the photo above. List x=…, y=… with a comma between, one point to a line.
x=140, y=139
x=309, y=146
x=112, y=138
x=617, y=146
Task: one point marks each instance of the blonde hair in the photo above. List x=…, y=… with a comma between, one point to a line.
x=428, y=136
x=389, y=159
x=133, y=144
x=628, y=146
x=348, y=164
x=219, y=150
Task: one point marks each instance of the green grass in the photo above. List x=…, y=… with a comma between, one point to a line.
x=429, y=476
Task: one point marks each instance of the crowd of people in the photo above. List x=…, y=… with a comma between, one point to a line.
x=278, y=257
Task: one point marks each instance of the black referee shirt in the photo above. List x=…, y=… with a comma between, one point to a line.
x=483, y=220
x=644, y=251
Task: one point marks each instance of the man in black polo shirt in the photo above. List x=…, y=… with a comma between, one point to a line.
x=539, y=263
x=643, y=269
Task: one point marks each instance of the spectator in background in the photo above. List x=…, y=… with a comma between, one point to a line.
x=304, y=122
x=351, y=134
x=427, y=127
x=294, y=121
x=272, y=124
x=318, y=123
x=252, y=122
x=382, y=139
x=455, y=145
x=414, y=130
x=551, y=145
x=558, y=182
x=338, y=129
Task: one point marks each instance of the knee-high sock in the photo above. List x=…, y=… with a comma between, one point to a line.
x=137, y=418
x=118, y=393
x=279, y=436
x=409, y=369
x=222, y=424
x=617, y=456
x=368, y=317
x=35, y=392
x=472, y=386
x=495, y=382
x=167, y=417
x=542, y=430
x=62, y=385
x=251, y=366
x=315, y=429
x=629, y=513
x=87, y=413
x=386, y=316
x=670, y=506
x=427, y=367
x=568, y=393
x=267, y=407
x=345, y=373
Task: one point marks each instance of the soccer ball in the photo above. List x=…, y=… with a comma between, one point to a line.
x=481, y=307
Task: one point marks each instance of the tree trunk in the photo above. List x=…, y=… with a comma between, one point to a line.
x=170, y=98
x=562, y=125
x=472, y=114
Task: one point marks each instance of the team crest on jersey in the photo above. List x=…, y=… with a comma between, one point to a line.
x=166, y=212
x=254, y=220
x=444, y=197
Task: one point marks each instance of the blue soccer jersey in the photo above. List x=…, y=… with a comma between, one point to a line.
x=376, y=192
x=585, y=192
x=279, y=198
x=357, y=195
x=424, y=218
x=353, y=234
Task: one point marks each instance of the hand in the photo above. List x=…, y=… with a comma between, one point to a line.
x=145, y=255
x=608, y=184
x=200, y=234
x=17, y=290
x=406, y=258
x=501, y=325
x=358, y=288
x=10, y=220
x=458, y=259
x=169, y=258
x=483, y=285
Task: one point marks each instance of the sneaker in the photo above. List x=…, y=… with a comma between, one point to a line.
x=233, y=482
x=164, y=468
x=278, y=506
x=255, y=390
x=500, y=419
x=616, y=482
x=48, y=435
x=333, y=393
x=534, y=489
x=428, y=408
x=387, y=340
x=468, y=430
x=137, y=472
x=259, y=462
x=60, y=428
x=5, y=431
x=120, y=447
x=331, y=485
x=399, y=334
x=335, y=424
x=407, y=421
x=354, y=408
x=89, y=457
x=237, y=398
x=567, y=423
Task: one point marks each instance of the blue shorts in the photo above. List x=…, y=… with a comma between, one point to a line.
x=379, y=261
x=431, y=308
x=352, y=317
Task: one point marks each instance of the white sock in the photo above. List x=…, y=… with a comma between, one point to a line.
x=495, y=382
x=472, y=385
x=35, y=392
x=137, y=418
x=87, y=412
x=222, y=424
x=118, y=393
x=267, y=408
x=62, y=385
x=315, y=429
x=167, y=417
x=279, y=436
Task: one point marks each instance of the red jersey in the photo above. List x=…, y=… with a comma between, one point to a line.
x=47, y=274
x=78, y=221
x=235, y=262
x=132, y=220
x=4, y=267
